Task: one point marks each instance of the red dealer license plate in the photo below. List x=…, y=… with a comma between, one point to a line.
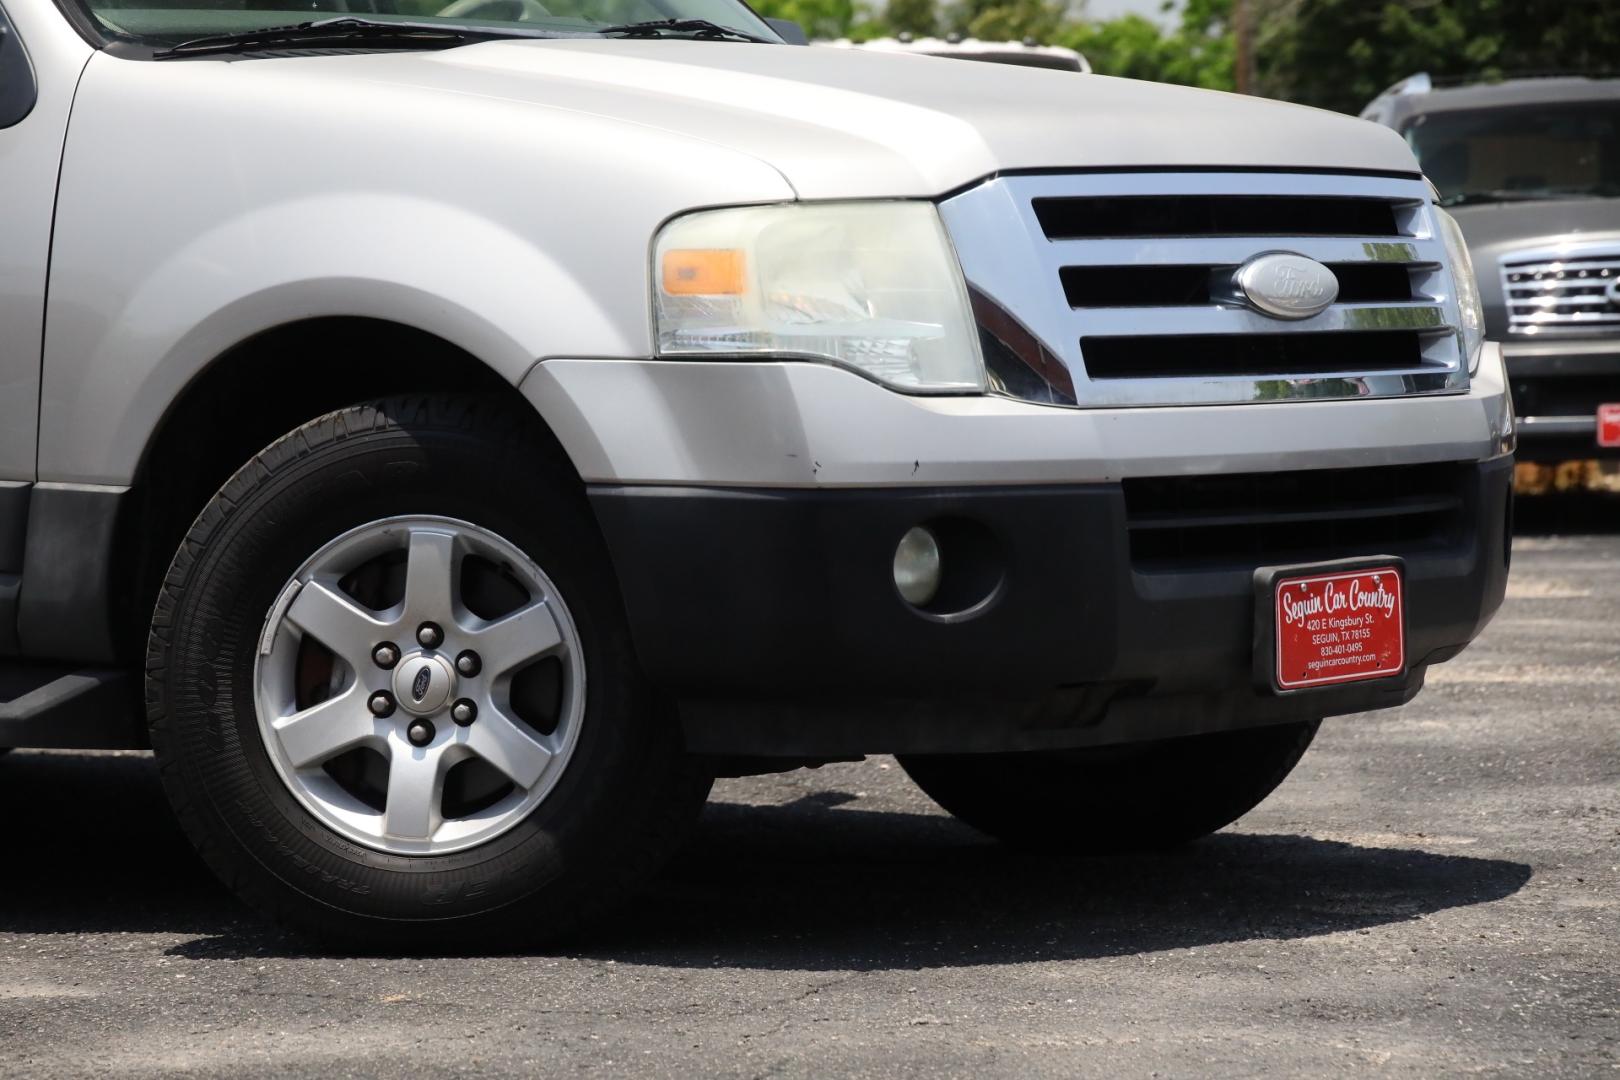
x=1608, y=425
x=1339, y=627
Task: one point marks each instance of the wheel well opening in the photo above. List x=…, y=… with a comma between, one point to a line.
x=253, y=395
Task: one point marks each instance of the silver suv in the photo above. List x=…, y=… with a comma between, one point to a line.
x=1530, y=168
x=450, y=438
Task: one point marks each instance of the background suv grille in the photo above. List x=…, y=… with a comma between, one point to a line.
x=1127, y=279
x=1258, y=519
x=1575, y=289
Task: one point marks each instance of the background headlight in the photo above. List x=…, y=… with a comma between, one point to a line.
x=1470, y=311
x=872, y=286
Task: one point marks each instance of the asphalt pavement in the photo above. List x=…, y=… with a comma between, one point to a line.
x=1435, y=891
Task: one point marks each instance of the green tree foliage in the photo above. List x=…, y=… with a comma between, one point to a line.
x=1132, y=47
x=917, y=17
x=820, y=18
x=1006, y=20
x=1338, y=54
x=1198, y=52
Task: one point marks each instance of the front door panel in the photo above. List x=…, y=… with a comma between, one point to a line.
x=40, y=60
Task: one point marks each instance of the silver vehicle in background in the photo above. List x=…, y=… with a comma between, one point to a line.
x=1530, y=168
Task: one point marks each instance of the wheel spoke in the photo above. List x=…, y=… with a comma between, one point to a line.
x=508, y=746
x=337, y=622
x=527, y=634
x=323, y=731
x=415, y=792
x=430, y=570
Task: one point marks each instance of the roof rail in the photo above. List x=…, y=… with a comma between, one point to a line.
x=1381, y=109
x=1420, y=83
x=1510, y=74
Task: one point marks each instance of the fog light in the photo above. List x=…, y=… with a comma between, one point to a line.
x=916, y=566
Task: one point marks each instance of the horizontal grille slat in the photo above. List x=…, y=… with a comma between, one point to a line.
x=1214, y=215
x=1566, y=318
x=1259, y=355
x=1260, y=518
x=1556, y=292
x=1561, y=301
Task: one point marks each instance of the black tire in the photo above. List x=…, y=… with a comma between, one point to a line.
x=1118, y=798
x=622, y=804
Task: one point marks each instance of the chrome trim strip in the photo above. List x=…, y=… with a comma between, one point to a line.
x=1057, y=185
x=1007, y=257
x=1216, y=319
x=1557, y=425
x=1230, y=250
x=1591, y=262
x=1554, y=301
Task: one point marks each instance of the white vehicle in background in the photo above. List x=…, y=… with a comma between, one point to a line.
x=1026, y=53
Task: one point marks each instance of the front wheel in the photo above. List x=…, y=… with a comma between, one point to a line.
x=1117, y=798
x=391, y=691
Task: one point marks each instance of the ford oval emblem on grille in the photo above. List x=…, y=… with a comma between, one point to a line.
x=419, y=685
x=1286, y=286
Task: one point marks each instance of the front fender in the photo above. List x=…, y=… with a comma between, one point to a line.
x=121, y=356
x=515, y=231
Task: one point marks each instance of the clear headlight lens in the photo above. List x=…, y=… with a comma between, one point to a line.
x=872, y=286
x=1471, y=311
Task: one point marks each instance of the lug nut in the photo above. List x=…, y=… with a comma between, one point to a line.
x=420, y=733
x=385, y=655
x=429, y=636
x=381, y=704
x=464, y=712
x=468, y=664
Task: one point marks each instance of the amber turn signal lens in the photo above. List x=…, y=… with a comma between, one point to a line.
x=694, y=272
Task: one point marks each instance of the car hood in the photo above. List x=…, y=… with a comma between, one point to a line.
x=841, y=123
x=1536, y=224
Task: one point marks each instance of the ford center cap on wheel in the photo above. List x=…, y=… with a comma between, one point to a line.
x=1286, y=286
x=422, y=684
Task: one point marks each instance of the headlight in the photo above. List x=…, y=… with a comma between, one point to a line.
x=872, y=286
x=1470, y=311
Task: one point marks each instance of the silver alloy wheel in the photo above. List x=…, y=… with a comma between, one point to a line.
x=418, y=737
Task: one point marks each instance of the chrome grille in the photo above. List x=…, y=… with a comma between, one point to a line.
x=1573, y=288
x=1126, y=279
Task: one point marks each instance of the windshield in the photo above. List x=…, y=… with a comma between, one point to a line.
x=1552, y=150
x=161, y=23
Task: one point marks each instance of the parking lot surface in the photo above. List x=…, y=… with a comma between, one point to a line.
x=1434, y=892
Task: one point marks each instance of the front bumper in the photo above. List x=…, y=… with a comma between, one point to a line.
x=771, y=617
x=790, y=424
x=1557, y=387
